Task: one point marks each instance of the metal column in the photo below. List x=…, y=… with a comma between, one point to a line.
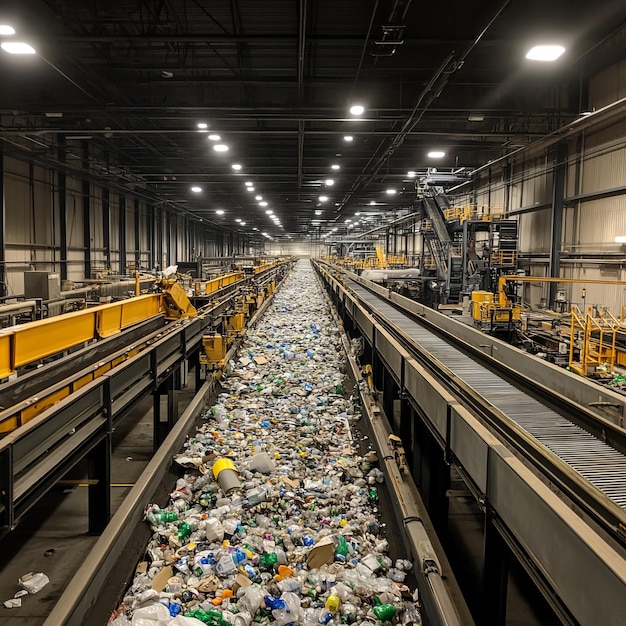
x=495, y=573
x=99, y=474
x=86, y=190
x=137, y=238
x=62, y=190
x=106, y=226
x=556, y=229
x=122, y=233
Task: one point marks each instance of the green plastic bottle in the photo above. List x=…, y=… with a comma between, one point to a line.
x=384, y=612
x=342, y=549
x=184, y=530
x=372, y=492
x=268, y=560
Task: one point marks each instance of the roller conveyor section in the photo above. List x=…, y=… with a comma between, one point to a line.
x=598, y=463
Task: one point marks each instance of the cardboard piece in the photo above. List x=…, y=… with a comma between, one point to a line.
x=210, y=584
x=142, y=568
x=159, y=582
x=322, y=553
x=260, y=360
x=241, y=581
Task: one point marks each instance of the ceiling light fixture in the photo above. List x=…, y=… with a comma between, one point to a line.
x=323, y=198
x=196, y=189
x=411, y=174
x=17, y=47
x=258, y=197
x=220, y=147
x=318, y=212
x=436, y=154
x=269, y=212
x=372, y=202
x=348, y=138
x=249, y=188
x=476, y=117
x=236, y=167
x=214, y=137
x=243, y=223
x=329, y=182
x=248, y=183
x=220, y=212
x=202, y=125
x=335, y=166
x=5, y=29
x=263, y=203
x=545, y=53
x=238, y=219
x=357, y=109
x=390, y=192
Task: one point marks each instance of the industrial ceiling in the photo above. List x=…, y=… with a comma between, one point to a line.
x=130, y=81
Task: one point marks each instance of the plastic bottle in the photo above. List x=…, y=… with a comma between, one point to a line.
x=372, y=493
x=268, y=560
x=226, y=565
x=342, y=549
x=257, y=495
x=184, y=530
x=384, y=612
x=332, y=603
x=157, y=516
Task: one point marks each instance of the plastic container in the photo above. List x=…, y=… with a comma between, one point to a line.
x=226, y=474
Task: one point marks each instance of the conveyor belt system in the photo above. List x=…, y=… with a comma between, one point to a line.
x=601, y=465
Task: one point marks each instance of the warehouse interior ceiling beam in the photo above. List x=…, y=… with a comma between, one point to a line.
x=134, y=80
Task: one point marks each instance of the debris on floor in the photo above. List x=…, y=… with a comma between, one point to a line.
x=275, y=520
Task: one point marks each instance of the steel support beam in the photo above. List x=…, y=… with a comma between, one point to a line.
x=556, y=226
x=106, y=226
x=86, y=190
x=495, y=573
x=62, y=191
x=122, y=233
x=137, y=238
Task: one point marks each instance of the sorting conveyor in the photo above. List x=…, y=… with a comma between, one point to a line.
x=599, y=464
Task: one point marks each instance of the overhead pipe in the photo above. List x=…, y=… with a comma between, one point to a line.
x=432, y=91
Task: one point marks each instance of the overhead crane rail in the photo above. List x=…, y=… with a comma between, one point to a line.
x=464, y=405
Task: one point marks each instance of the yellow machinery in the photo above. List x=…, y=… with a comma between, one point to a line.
x=483, y=306
x=28, y=343
x=485, y=310
x=32, y=342
x=381, y=258
x=214, y=347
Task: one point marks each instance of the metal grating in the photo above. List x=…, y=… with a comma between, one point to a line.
x=602, y=466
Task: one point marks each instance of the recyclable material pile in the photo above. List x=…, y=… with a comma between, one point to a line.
x=275, y=519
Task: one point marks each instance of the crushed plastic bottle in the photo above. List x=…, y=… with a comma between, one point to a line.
x=294, y=537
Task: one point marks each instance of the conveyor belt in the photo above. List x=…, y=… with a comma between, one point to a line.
x=602, y=466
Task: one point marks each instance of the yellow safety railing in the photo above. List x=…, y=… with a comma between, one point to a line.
x=220, y=282
x=503, y=257
x=596, y=351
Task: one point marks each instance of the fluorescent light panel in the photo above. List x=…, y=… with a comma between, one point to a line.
x=545, y=53
x=17, y=47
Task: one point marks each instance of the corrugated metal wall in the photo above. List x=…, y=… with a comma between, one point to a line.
x=594, y=210
x=33, y=228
